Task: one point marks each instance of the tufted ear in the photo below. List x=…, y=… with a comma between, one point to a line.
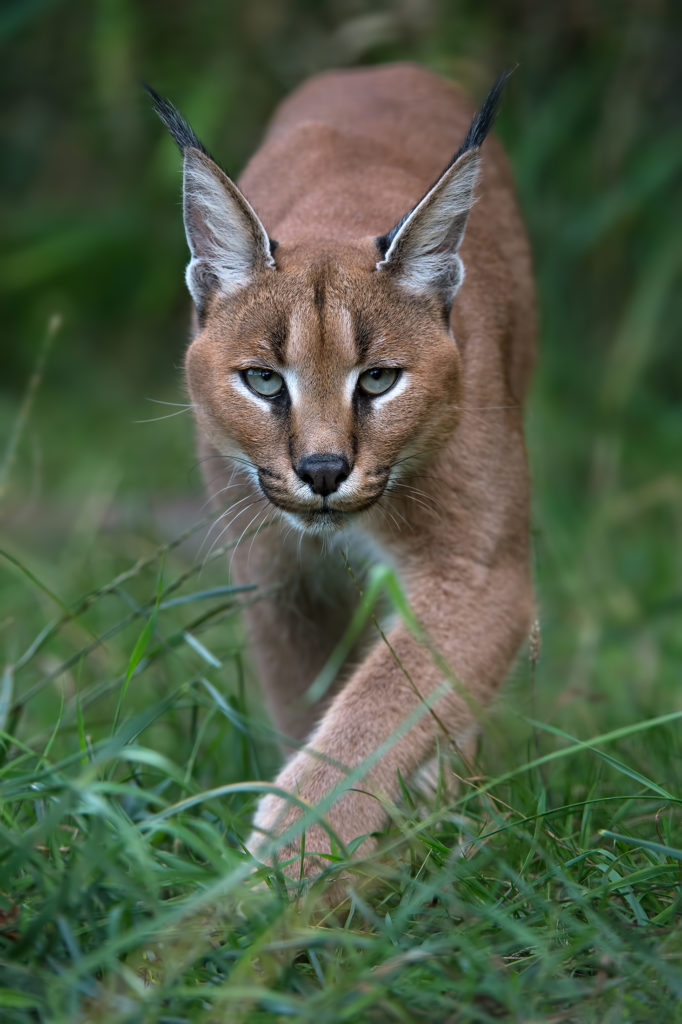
x=421, y=251
x=227, y=242
x=422, y=255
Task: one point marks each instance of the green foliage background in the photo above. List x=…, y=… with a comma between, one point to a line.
x=95, y=320
x=90, y=182
x=93, y=235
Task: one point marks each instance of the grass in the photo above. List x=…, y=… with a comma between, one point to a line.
x=549, y=889
x=131, y=730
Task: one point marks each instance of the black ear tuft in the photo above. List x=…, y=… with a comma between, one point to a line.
x=177, y=126
x=478, y=129
x=485, y=118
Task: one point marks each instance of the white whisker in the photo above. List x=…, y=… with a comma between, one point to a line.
x=217, y=494
x=419, y=497
x=166, y=416
x=246, y=528
x=389, y=515
x=180, y=405
x=218, y=519
x=260, y=526
x=227, y=527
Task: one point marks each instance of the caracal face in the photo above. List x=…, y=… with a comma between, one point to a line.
x=326, y=381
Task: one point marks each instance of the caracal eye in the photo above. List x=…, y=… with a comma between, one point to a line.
x=264, y=382
x=378, y=380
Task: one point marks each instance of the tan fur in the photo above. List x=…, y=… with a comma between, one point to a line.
x=344, y=159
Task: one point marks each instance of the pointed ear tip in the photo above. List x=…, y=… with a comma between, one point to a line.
x=193, y=157
x=465, y=166
x=471, y=155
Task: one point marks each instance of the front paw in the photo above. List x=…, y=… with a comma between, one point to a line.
x=286, y=835
x=310, y=824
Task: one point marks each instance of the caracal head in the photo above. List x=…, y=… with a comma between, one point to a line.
x=323, y=371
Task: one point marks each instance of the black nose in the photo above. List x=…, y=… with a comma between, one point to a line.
x=323, y=473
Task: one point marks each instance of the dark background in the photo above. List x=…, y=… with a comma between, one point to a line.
x=92, y=235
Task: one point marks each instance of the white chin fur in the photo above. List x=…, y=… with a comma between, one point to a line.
x=320, y=525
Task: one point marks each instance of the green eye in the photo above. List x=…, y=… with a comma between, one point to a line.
x=378, y=380
x=264, y=382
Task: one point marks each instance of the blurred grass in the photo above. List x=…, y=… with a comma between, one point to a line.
x=548, y=890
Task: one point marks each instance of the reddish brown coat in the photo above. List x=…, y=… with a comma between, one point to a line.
x=345, y=158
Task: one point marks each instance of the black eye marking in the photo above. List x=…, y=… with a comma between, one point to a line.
x=278, y=340
x=319, y=293
x=362, y=337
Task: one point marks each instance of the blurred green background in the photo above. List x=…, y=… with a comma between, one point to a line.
x=95, y=318
x=92, y=235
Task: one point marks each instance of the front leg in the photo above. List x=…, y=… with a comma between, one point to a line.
x=380, y=725
x=305, y=593
x=307, y=600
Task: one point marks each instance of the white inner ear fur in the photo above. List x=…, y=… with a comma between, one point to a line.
x=423, y=253
x=226, y=239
